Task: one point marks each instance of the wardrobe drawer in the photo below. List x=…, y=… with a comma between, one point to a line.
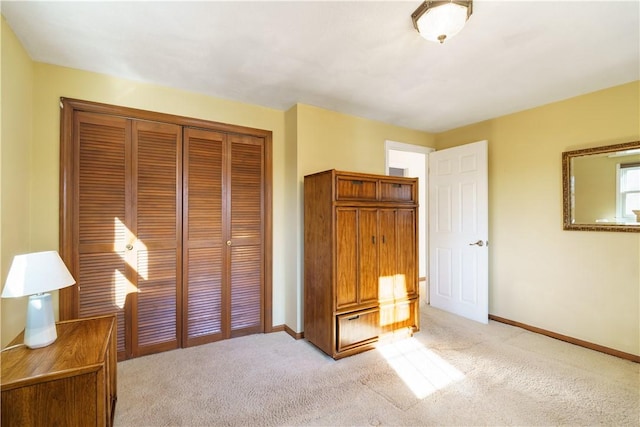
x=358, y=327
x=355, y=188
x=397, y=191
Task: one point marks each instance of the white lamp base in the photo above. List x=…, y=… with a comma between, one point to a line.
x=41, y=327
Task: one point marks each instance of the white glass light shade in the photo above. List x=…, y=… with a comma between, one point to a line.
x=36, y=273
x=440, y=20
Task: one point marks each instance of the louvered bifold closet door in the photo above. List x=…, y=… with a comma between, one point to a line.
x=155, y=249
x=128, y=240
x=101, y=146
x=245, y=209
x=203, y=245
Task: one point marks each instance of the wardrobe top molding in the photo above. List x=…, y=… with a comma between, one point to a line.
x=134, y=113
x=356, y=187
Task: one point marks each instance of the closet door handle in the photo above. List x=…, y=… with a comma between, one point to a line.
x=129, y=246
x=228, y=242
x=373, y=239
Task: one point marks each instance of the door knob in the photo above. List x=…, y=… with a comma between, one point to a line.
x=228, y=242
x=478, y=243
x=129, y=246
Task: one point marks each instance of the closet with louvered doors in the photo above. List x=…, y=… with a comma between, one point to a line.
x=164, y=221
x=223, y=229
x=127, y=236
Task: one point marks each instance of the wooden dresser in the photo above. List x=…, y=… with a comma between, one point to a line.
x=360, y=259
x=71, y=382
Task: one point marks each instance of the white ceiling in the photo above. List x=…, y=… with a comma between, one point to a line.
x=358, y=57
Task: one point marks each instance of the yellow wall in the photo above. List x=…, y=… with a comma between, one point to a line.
x=330, y=140
x=582, y=284
x=293, y=287
x=15, y=168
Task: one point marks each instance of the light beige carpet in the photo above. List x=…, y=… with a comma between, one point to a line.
x=453, y=372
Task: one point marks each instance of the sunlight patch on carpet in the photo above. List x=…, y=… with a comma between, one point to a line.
x=423, y=371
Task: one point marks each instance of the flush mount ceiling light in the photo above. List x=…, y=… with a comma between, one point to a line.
x=441, y=20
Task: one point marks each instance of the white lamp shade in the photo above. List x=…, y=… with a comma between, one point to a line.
x=36, y=273
x=442, y=21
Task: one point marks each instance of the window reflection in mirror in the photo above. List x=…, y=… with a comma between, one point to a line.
x=629, y=191
x=602, y=188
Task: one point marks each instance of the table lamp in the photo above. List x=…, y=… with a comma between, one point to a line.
x=36, y=274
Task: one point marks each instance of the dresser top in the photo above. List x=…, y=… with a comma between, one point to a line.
x=80, y=347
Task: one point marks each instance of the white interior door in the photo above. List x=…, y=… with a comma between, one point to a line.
x=458, y=231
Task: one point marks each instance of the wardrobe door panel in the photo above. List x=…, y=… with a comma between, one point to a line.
x=407, y=276
x=346, y=257
x=101, y=144
x=368, y=255
x=155, y=251
x=203, y=240
x=388, y=254
x=245, y=213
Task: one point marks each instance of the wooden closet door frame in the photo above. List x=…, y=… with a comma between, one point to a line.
x=68, y=227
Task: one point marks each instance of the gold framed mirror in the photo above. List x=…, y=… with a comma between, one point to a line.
x=601, y=188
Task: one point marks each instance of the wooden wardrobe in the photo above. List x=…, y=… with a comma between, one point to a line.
x=165, y=221
x=360, y=259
